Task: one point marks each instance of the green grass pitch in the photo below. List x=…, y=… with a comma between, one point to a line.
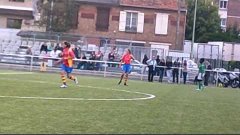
x=34, y=103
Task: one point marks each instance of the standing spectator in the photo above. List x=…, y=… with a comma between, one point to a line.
x=92, y=64
x=29, y=52
x=158, y=68
x=145, y=59
x=207, y=73
x=76, y=51
x=82, y=64
x=169, y=68
x=99, y=57
x=151, y=68
x=185, y=72
x=43, y=48
x=176, y=66
x=111, y=57
x=162, y=65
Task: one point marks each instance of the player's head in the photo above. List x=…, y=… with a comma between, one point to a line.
x=66, y=45
x=201, y=60
x=128, y=51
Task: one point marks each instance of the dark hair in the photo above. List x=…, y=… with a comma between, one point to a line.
x=129, y=51
x=67, y=44
x=202, y=60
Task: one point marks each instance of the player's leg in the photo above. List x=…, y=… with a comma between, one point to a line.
x=128, y=70
x=126, y=79
x=122, y=76
x=70, y=76
x=64, y=80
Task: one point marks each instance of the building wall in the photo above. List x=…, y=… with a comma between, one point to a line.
x=87, y=26
x=3, y=21
x=26, y=3
x=233, y=13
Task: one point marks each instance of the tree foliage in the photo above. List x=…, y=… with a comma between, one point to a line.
x=64, y=15
x=207, y=21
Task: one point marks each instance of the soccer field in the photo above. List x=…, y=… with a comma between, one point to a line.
x=34, y=103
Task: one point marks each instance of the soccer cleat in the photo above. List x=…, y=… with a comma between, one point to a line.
x=63, y=86
x=125, y=84
x=197, y=89
x=76, y=80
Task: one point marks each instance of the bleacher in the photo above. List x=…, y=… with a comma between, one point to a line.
x=18, y=46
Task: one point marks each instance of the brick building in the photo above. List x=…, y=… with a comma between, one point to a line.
x=14, y=13
x=229, y=12
x=19, y=15
x=150, y=23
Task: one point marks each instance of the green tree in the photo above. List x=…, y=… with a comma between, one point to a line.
x=207, y=21
x=64, y=15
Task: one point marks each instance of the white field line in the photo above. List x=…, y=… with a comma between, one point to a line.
x=147, y=96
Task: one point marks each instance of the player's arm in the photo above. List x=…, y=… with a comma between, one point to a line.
x=71, y=54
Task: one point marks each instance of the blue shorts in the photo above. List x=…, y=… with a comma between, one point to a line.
x=66, y=68
x=126, y=68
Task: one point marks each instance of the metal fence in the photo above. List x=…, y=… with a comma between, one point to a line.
x=104, y=68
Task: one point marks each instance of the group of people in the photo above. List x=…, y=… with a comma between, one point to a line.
x=174, y=70
x=158, y=67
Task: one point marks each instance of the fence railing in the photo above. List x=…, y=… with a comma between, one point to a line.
x=106, y=68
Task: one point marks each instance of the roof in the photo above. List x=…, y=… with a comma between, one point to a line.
x=154, y=4
x=105, y=2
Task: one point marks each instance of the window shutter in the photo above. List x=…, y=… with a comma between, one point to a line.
x=161, y=24
x=122, y=21
x=140, y=25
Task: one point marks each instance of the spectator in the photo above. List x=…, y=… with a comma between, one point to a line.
x=162, y=65
x=99, y=57
x=185, y=72
x=76, y=51
x=92, y=64
x=207, y=73
x=151, y=68
x=58, y=47
x=145, y=59
x=169, y=69
x=55, y=53
x=50, y=47
x=158, y=68
x=29, y=52
x=111, y=57
x=82, y=64
x=176, y=66
x=43, y=48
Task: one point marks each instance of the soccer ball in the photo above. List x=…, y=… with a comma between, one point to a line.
x=220, y=85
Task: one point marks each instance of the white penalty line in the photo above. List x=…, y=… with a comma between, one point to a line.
x=149, y=96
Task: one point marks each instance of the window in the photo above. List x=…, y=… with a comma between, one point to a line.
x=161, y=27
x=16, y=0
x=131, y=22
x=14, y=23
x=102, y=22
x=223, y=22
x=223, y=4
